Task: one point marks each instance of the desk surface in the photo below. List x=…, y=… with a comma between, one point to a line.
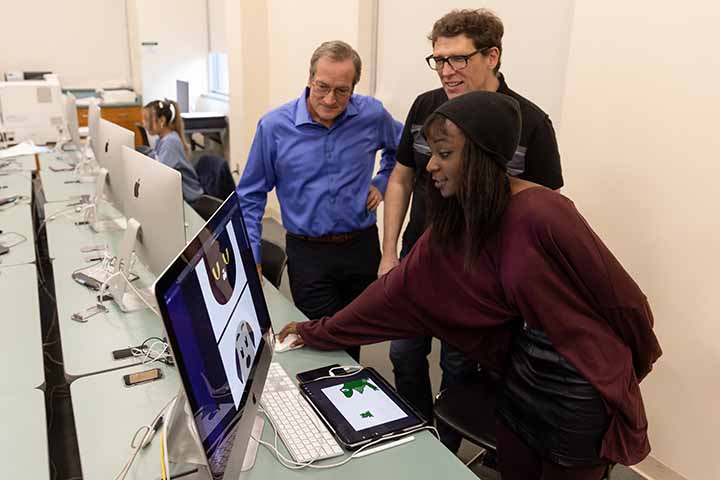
x=21, y=355
x=88, y=347
x=23, y=438
x=16, y=224
x=15, y=182
x=62, y=186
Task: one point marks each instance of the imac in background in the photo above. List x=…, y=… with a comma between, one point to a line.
x=155, y=233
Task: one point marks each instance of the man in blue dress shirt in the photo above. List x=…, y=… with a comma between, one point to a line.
x=318, y=152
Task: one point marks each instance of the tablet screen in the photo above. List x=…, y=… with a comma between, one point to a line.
x=361, y=407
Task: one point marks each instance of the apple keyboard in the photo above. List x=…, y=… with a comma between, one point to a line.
x=299, y=427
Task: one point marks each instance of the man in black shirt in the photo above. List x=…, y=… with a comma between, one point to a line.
x=467, y=46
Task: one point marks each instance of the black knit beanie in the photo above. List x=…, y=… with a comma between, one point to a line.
x=491, y=120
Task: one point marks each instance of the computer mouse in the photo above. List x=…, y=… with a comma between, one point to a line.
x=285, y=345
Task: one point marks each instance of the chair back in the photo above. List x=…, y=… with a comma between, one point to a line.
x=206, y=205
x=214, y=175
x=274, y=260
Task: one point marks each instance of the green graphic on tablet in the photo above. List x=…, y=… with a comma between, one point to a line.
x=357, y=386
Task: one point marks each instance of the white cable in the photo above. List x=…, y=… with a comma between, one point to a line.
x=23, y=239
x=162, y=355
x=62, y=212
x=293, y=465
x=147, y=438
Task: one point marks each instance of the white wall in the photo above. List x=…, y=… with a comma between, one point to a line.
x=296, y=29
x=640, y=151
x=535, y=47
x=83, y=41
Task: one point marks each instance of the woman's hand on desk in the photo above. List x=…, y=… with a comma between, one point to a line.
x=291, y=328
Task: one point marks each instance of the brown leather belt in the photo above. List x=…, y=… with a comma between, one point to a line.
x=333, y=238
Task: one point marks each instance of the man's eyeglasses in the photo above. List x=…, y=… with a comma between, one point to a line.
x=324, y=89
x=457, y=62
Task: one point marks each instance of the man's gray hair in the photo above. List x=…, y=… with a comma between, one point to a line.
x=337, y=51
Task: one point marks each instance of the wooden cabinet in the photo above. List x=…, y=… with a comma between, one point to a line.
x=125, y=116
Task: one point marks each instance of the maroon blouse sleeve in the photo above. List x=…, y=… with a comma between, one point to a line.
x=384, y=311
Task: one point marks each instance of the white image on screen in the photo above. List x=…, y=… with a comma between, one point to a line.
x=234, y=323
x=363, y=404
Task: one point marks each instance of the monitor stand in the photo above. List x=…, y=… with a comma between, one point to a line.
x=185, y=446
x=91, y=213
x=126, y=300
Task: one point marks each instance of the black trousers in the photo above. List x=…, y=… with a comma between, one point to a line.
x=324, y=278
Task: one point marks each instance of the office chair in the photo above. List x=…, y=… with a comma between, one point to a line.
x=274, y=260
x=214, y=175
x=143, y=134
x=469, y=410
x=206, y=205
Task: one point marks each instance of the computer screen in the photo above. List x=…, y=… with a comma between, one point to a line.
x=108, y=153
x=219, y=329
x=71, y=119
x=183, y=95
x=153, y=197
x=93, y=125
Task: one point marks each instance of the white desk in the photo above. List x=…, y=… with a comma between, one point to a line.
x=23, y=438
x=21, y=355
x=16, y=224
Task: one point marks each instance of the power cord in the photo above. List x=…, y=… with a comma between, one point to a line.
x=146, y=432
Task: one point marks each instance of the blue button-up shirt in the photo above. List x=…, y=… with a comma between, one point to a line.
x=322, y=175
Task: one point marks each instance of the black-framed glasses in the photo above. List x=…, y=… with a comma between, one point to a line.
x=457, y=62
x=323, y=89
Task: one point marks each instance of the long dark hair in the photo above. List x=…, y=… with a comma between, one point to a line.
x=470, y=217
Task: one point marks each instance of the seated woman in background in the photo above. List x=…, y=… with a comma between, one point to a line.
x=510, y=273
x=162, y=118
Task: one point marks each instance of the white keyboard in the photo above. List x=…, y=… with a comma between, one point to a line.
x=299, y=427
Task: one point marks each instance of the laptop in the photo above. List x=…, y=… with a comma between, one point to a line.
x=219, y=331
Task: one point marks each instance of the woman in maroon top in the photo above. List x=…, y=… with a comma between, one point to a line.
x=511, y=273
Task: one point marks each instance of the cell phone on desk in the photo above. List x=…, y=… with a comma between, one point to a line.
x=142, y=377
x=86, y=280
x=312, y=375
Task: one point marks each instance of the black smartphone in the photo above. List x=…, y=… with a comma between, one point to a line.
x=142, y=377
x=310, y=375
x=86, y=280
x=123, y=353
x=6, y=200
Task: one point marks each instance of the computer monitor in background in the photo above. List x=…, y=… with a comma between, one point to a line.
x=183, y=95
x=153, y=205
x=32, y=110
x=110, y=183
x=94, y=116
x=219, y=330
x=71, y=120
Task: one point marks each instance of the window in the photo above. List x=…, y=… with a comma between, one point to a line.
x=218, y=66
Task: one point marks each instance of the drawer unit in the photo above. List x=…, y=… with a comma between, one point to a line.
x=125, y=116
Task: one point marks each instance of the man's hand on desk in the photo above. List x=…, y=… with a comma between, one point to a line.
x=291, y=328
x=374, y=198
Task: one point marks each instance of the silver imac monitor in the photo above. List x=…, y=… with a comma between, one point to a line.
x=155, y=233
x=111, y=138
x=32, y=110
x=93, y=124
x=217, y=321
x=71, y=120
x=153, y=198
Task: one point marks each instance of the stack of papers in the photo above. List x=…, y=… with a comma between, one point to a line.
x=21, y=149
